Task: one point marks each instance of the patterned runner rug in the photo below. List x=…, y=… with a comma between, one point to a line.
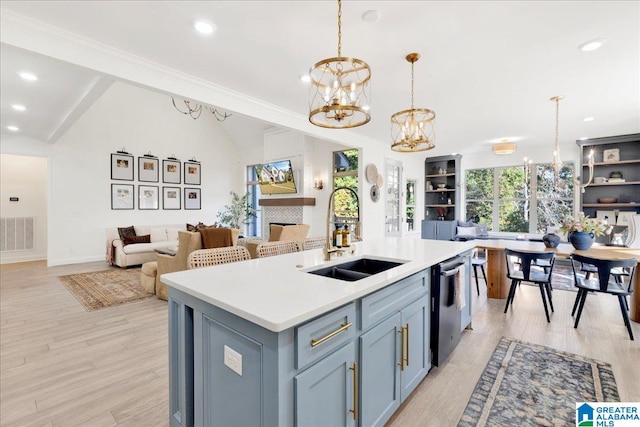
x=106, y=288
x=532, y=385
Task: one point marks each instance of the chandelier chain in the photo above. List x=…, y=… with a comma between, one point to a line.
x=339, y=28
x=412, y=64
x=557, y=124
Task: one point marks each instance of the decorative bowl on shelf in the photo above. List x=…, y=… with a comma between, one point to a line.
x=607, y=200
x=442, y=186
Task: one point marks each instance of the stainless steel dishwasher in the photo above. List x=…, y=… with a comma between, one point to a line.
x=445, y=317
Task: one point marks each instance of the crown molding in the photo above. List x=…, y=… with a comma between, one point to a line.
x=48, y=40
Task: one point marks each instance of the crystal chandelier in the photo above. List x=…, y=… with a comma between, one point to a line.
x=412, y=130
x=340, y=89
x=194, y=110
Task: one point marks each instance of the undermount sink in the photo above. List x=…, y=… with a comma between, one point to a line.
x=356, y=269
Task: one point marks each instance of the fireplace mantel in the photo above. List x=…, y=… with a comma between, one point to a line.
x=289, y=201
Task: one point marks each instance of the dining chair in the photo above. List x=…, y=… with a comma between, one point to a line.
x=525, y=260
x=589, y=270
x=268, y=249
x=478, y=261
x=207, y=257
x=609, y=281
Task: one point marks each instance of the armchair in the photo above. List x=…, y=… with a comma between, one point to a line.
x=188, y=242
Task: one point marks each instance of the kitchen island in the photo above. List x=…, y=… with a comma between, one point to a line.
x=265, y=343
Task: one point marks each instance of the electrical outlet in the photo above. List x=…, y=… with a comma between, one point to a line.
x=233, y=360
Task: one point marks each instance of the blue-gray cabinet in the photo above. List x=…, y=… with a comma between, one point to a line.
x=326, y=393
x=351, y=367
x=438, y=230
x=394, y=356
x=465, y=314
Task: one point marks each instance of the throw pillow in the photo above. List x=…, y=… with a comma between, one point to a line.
x=466, y=231
x=465, y=223
x=126, y=231
x=482, y=229
x=158, y=234
x=199, y=226
x=130, y=240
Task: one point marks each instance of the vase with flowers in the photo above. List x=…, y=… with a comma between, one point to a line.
x=582, y=230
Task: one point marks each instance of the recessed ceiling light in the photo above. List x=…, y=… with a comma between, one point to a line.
x=13, y=128
x=306, y=78
x=204, y=27
x=591, y=45
x=588, y=119
x=19, y=107
x=583, y=138
x=26, y=75
x=371, y=16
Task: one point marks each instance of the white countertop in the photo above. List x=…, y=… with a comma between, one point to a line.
x=278, y=293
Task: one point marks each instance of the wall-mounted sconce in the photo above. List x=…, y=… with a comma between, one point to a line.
x=318, y=185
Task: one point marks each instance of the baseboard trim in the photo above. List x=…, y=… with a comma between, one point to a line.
x=57, y=262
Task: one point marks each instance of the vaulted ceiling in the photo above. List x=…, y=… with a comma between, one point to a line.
x=488, y=68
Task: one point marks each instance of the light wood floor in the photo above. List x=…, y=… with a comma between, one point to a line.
x=63, y=366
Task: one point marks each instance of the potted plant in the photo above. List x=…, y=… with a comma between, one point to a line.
x=238, y=212
x=582, y=230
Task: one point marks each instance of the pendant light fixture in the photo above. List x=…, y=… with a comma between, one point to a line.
x=340, y=89
x=412, y=130
x=556, y=163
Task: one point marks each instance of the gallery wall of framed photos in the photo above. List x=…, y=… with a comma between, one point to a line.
x=174, y=174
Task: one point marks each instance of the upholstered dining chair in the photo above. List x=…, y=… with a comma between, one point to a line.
x=525, y=273
x=268, y=249
x=610, y=281
x=207, y=257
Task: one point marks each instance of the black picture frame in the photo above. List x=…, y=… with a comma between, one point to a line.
x=192, y=198
x=148, y=197
x=171, y=171
x=192, y=173
x=122, y=166
x=122, y=197
x=171, y=198
x=148, y=169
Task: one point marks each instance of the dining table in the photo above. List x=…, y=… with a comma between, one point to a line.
x=498, y=283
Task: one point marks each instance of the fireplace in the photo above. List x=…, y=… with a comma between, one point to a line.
x=280, y=215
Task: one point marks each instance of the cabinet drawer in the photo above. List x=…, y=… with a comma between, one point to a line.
x=379, y=305
x=321, y=336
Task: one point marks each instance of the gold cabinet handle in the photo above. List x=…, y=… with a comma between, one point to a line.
x=401, y=364
x=407, y=338
x=344, y=327
x=354, y=368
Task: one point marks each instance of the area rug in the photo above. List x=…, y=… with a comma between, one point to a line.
x=106, y=288
x=532, y=385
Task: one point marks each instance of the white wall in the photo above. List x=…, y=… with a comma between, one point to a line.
x=79, y=181
x=25, y=177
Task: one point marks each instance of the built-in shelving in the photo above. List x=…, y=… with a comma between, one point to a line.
x=442, y=203
x=610, y=205
x=627, y=193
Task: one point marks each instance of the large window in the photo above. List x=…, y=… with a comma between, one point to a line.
x=512, y=199
x=254, y=226
x=345, y=174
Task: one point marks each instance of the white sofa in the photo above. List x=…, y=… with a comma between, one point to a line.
x=162, y=237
